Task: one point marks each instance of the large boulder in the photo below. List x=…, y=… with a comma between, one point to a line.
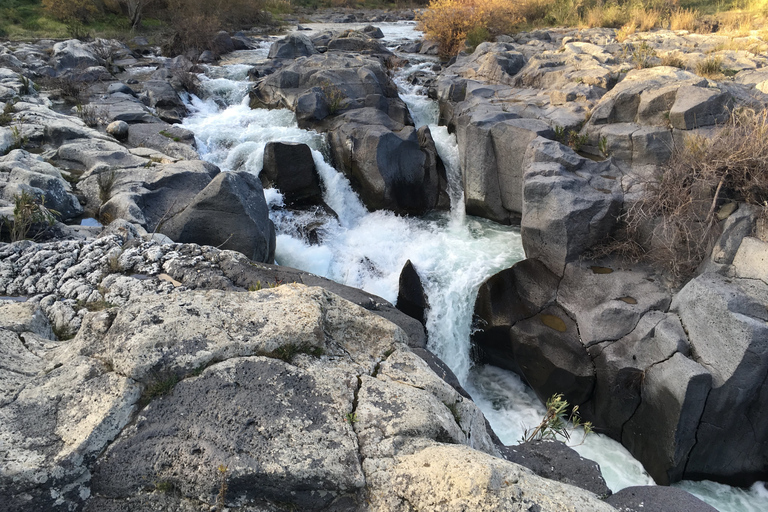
x=45, y=180
x=386, y=163
x=570, y=203
x=290, y=168
x=411, y=298
x=492, y=149
x=160, y=95
x=147, y=195
x=727, y=325
x=230, y=212
x=371, y=134
x=557, y=461
x=292, y=47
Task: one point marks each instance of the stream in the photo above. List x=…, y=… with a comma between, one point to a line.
x=452, y=252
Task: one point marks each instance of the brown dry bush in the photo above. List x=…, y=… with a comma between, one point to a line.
x=675, y=222
x=448, y=22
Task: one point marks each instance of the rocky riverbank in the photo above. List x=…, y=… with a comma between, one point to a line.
x=165, y=363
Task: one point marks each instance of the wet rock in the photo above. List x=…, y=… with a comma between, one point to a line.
x=230, y=212
x=289, y=167
x=657, y=499
x=411, y=298
x=385, y=162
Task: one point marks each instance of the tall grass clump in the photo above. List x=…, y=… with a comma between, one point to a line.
x=683, y=19
x=675, y=222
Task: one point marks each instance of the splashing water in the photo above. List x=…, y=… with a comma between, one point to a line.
x=452, y=252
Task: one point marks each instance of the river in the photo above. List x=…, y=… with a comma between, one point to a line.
x=452, y=252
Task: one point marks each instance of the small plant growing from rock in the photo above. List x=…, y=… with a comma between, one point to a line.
x=602, y=145
x=351, y=418
x=89, y=114
x=6, y=117
x=27, y=212
x=557, y=422
x=711, y=67
x=106, y=182
x=642, y=55
x=576, y=141
x=221, y=498
x=334, y=97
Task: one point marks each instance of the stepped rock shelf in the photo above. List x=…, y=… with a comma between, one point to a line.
x=152, y=363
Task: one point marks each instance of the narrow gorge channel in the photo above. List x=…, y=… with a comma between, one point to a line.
x=453, y=253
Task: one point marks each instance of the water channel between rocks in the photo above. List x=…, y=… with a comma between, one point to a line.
x=453, y=253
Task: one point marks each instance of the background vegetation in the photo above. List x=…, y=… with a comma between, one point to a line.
x=452, y=22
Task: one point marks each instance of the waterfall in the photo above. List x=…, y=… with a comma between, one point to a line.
x=453, y=253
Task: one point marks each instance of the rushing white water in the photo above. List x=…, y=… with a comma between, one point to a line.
x=453, y=254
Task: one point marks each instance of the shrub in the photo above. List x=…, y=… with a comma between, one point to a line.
x=675, y=222
x=80, y=11
x=448, y=22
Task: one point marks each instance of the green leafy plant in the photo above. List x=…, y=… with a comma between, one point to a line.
x=351, y=418
x=6, y=117
x=557, y=421
x=577, y=141
x=602, y=145
x=26, y=86
x=642, y=55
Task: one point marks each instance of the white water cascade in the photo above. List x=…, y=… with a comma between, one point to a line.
x=453, y=253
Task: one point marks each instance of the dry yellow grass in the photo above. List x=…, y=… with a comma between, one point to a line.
x=645, y=19
x=683, y=19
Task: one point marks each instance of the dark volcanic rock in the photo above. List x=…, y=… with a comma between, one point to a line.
x=289, y=167
x=556, y=461
x=657, y=499
x=230, y=213
x=411, y=298
x=260, y=442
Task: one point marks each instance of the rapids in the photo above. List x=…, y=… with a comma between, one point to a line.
x=453, y=253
